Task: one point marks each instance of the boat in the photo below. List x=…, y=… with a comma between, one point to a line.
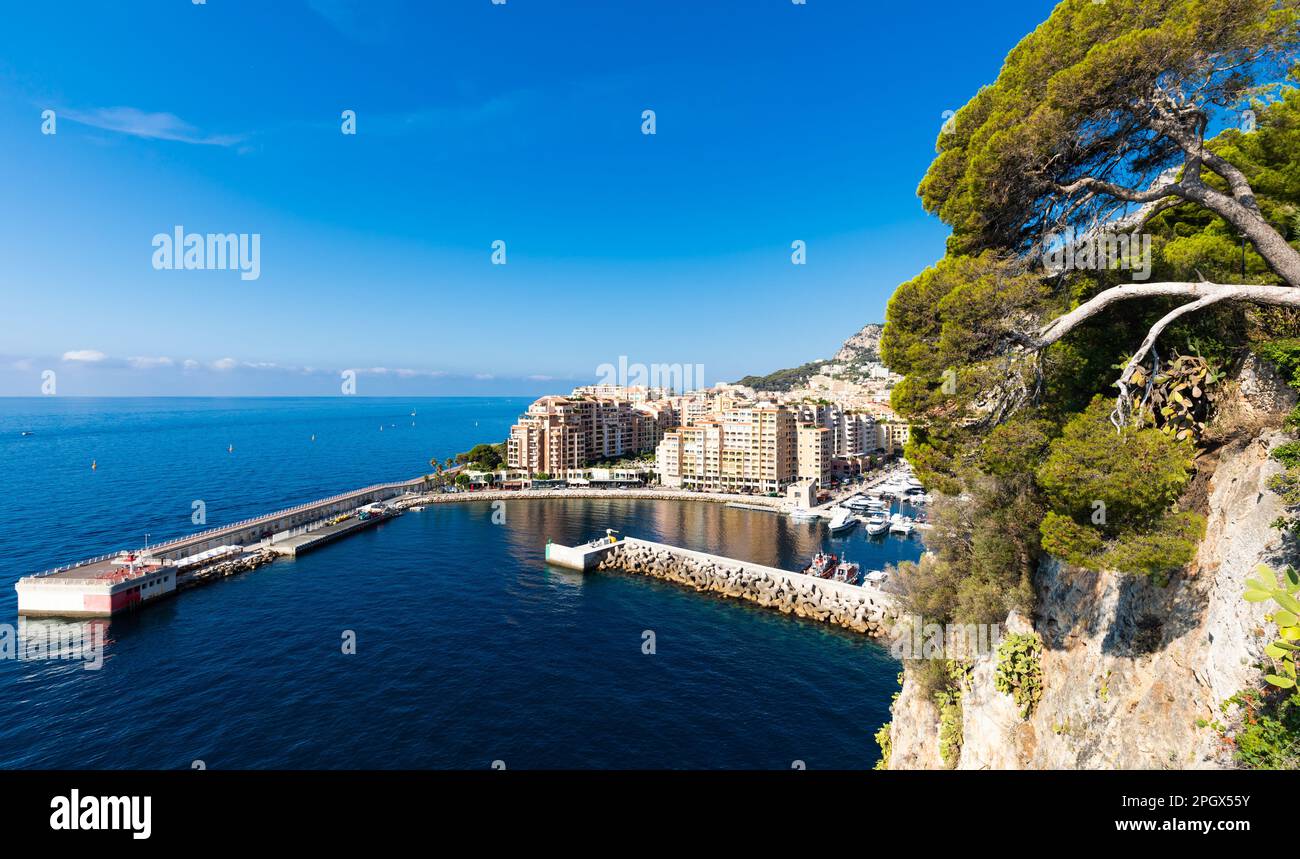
x=845, y=572
x=804, y=514
x=842, y=520
x=900, y=524
x=877, y=523
x=27, y=433
x=823, y=565
x=875, y=579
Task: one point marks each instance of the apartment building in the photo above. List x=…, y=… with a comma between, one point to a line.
x=814, y=453
x=892, y=436
x=743, y=449
x=557, y=434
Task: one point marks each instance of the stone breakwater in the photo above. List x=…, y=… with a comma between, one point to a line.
x=848, y=606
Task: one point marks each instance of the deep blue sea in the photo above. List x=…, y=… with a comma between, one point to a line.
x=469, y=649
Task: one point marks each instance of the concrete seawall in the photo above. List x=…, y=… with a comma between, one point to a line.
x=861, y=609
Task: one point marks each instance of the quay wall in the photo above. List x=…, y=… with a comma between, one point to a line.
x=859, y=608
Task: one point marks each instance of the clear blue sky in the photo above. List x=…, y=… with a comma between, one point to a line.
x=475, y=122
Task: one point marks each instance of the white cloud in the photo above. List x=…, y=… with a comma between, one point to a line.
x=86, y=355
x=225, y=364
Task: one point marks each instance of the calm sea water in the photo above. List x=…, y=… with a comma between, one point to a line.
x=469, y=650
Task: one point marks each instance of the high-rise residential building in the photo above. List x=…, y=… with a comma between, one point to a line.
x=852, y=433
x=561, y=433
x=892, y=436
x=814, y=453
x=744, y=449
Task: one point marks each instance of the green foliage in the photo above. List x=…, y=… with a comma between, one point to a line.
x=1073, y=99
x=1016, y=448
x=1111, y=495
x=1178, y=398
x=1284, y=354
x=980, y=553
x=784, y=380
x=1137, y=473
x=885, y=742
x=484, y=457
x=946, y=328
x=950, y=726
x=1019, y=670
x=1269, y=737
x=1283, y=651
x=1288, y=454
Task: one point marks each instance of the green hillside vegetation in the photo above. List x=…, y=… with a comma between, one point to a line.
x=784, y=380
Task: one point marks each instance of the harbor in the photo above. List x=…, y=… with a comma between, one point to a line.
x=130, y=579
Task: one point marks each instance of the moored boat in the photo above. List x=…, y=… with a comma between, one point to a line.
x=846, y=572
x=823, y=565
x=842, y=520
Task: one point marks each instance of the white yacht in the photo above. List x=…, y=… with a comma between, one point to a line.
x=842, y=519
x=900, y=524
x=804, y=514
x=877, y=523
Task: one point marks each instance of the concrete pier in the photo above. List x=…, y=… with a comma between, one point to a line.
x=121, y=581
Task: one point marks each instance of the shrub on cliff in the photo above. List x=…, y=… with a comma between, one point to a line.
x=1112, y=495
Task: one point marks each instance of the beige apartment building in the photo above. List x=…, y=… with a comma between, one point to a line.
x=814, y=454
x=891, y=437
x=743, y=449
x=562, y=433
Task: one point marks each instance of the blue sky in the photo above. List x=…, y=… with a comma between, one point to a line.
x=475, y=123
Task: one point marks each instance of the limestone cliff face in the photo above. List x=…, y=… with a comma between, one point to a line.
x=1128, y=666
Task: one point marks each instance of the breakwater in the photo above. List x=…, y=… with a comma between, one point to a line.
x=861, y=609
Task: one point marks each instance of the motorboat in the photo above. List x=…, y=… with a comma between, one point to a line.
x=823, y=565
x=900, y=524
x=842, y=519
x=877, y=523
x=846, y=572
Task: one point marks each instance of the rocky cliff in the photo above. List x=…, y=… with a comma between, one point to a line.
x=861, y=348
x=1128, y=666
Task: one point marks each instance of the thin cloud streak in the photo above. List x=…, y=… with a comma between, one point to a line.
x=150, y=126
